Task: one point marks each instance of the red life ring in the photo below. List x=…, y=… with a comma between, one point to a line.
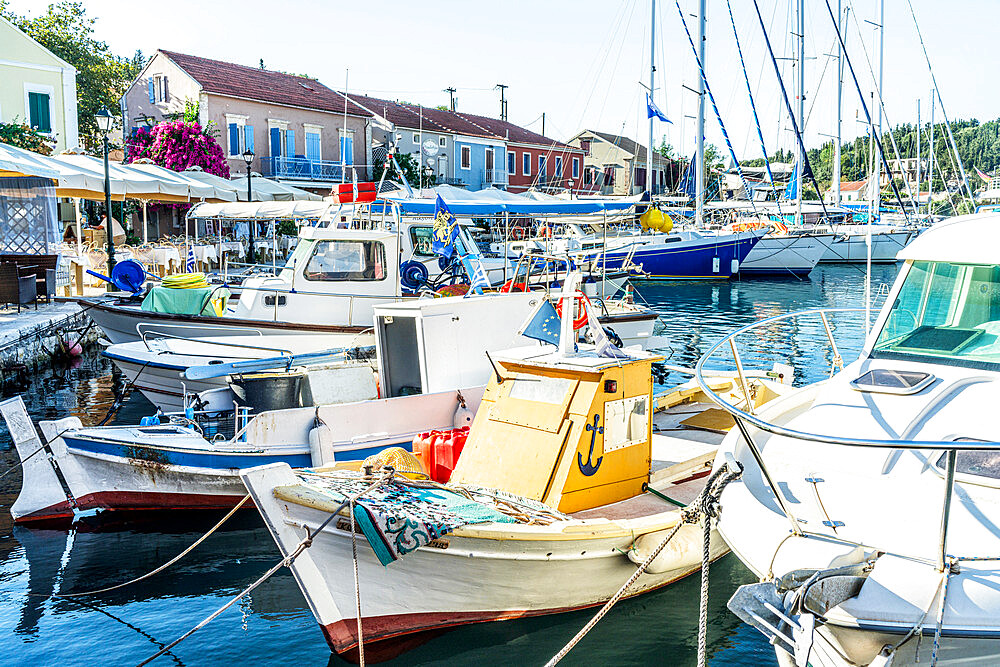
x=517, y=233
x=581, y=319
x=511, y=286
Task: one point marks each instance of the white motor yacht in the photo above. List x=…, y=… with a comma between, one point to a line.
x=869, y=503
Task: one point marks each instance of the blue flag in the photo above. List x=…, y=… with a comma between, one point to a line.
x=792, y=189
x=445, y=230
x=190, y=259
x=544, y=324
x=653, y=111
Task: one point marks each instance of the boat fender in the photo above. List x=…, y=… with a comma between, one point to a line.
x=321, y=445
x=151, y=420
x=682, y=551
x=463, y=415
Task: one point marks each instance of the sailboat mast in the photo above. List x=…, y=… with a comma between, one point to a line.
x=877, y=171
x=919, y=147
x=699, y=211
x=840, y=91
x=652, y=73
x=930, y=160
x=801, y=106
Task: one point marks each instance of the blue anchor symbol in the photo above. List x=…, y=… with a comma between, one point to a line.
x=587, y=468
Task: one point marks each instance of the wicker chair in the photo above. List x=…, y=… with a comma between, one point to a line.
x=17, y=286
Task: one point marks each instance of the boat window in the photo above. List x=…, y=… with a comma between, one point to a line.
x=945, y=313
x=625, y=422
x=422, y=238
x=979, y=462
x=346, y=260
x=298, y=256
x=541, y=389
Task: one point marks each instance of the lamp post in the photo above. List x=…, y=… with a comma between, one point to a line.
x=104, y=119
x=248, y=158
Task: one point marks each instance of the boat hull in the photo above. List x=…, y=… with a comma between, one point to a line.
x=795, y=255
x=705, y=258
x=490, y=572
x=851, y=247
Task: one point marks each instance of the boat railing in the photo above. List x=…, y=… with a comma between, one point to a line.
x=746, y=418
x=216, y=342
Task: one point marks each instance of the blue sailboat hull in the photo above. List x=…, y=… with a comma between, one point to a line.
x=708, y=258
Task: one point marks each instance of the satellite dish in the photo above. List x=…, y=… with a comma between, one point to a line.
x=430, y=147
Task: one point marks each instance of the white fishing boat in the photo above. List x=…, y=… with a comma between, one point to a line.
x=868, y=501
x=426, y=352
x=561, y=489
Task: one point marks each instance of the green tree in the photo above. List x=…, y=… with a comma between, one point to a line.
x=17, y=133
x=410, y=168
x=102, y=77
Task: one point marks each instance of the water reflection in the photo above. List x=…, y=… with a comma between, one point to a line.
x=274, y=625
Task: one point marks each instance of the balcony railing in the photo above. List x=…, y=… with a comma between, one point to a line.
x=307, y=169
x=494, y=177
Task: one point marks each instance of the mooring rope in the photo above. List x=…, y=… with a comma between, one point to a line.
x=169, y=562
x=284, y=562
x=707, y=501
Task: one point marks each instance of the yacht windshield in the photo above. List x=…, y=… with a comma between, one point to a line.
x=945, y=313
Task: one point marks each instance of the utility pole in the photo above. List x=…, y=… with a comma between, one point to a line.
x=451, y=96
x=543, y=123
x=503, y=101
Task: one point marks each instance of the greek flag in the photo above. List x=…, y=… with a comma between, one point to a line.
x=653, y=111
x=190, y=259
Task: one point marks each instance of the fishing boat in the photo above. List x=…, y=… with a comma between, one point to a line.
x=868, y=501
x=561, y=489
x=432, y=361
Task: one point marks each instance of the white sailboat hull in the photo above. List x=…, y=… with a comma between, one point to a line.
x=852, y=246
x=794, y=255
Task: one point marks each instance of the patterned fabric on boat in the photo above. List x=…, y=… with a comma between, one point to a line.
x=397, y=518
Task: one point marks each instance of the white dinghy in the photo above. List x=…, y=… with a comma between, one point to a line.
x=869, y=502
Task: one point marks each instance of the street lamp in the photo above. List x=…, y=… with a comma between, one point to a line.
x=248, y=158
x=104, y=120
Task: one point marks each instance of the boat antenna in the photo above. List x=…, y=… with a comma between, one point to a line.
x=868, y=116
x=496, y=370
x=807, y=168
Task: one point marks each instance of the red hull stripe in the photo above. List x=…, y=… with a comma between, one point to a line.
x=136, y=501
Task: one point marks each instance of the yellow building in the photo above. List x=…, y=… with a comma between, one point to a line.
x=37, y=87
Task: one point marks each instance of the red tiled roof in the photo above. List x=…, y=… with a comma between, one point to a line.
x=850, y=186
x=222, y=78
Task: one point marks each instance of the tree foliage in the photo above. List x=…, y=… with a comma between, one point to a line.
x=102, y=77
x=19, y=134
x=410, y=167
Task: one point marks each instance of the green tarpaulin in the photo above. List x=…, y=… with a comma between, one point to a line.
x=196, y=301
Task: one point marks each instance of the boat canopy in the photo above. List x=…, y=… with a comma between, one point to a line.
x=965, y=239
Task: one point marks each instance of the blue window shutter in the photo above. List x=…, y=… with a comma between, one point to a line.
x=349, y=150
x=248, y=136
x=234, y=139
x=275, y=142
x=290, y=143
x=152, y=90
x=312, y=145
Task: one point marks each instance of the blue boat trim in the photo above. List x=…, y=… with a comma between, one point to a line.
x=186, y=457
x=150, y=364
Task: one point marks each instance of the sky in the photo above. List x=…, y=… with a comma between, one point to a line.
x=583, y=63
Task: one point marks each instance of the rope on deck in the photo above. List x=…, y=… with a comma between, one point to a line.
x=707, y=506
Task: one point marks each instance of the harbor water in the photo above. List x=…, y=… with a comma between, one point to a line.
x=273, y=625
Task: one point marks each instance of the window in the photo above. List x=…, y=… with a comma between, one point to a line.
x=587, y=178
x=442, y=141
x=609, y=176
x=466, y=157
x=541, y=167
x=416, y=138
x=585, y=145
x=422, y=238
x=240, y=135
x=526, y=164
x=489, y=158
x=162, y=91
x=333, y=261
x=511, y=163
x=576, y=167
x=558, y=173
x=945, y=313
x=39, y=116
x=347, y=147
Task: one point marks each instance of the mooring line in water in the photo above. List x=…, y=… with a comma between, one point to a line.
x=706, y=506
x=284, y=562
x=168, y=563
x=25, y=459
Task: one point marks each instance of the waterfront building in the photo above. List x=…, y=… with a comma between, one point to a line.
x=38, y=88
x=296, y=126
x=618, y=164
